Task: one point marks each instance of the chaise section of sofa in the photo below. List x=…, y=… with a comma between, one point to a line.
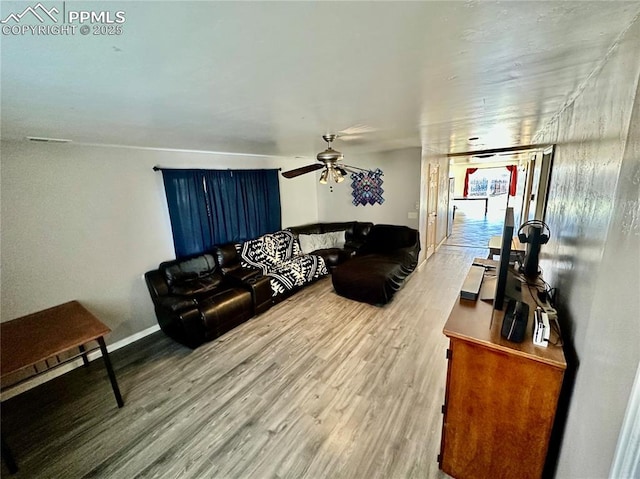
x=380, y=267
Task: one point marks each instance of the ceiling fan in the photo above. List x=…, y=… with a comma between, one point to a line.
x=328, y=159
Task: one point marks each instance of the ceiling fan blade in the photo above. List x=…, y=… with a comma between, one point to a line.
x=302, y=170
x=352, y=169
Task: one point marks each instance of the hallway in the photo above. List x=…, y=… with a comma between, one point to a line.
x=471, y=228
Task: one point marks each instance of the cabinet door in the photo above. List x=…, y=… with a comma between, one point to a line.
x=499, y=413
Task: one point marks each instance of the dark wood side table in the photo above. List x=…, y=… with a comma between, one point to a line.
x=32, y=339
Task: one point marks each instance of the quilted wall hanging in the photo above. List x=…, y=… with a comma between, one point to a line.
x=367, y=187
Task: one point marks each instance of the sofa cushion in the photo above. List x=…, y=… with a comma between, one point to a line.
x=334, y=256
x=196, y=287
x=296, y=272
x=227, y=257
x=268, y=250
x=360, y=231
x=372, y=279
x=314, y=242
x=319, y=228
x=191, y=269
x=384, y=239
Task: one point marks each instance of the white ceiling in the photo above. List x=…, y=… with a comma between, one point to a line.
x=271, y=77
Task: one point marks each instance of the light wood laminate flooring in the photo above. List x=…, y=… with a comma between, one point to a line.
x=318, y=386
x=472, y=228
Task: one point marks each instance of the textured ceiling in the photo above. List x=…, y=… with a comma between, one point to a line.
x=271, y=77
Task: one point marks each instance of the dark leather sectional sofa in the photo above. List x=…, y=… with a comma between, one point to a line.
x=199, y=298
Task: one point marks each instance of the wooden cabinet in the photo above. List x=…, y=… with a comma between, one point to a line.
x=500, y=398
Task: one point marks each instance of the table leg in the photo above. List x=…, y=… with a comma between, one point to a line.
x=85, y=360
x=112, y=376
x=8, y=457
x=486, y=206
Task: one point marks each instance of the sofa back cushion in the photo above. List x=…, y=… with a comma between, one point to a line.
x=358, y=233
x=319, y=228
x=268, y=250
x=384, y=239
x=355, y=232
x=191, y=276
x=227, y=257
x=311, y=243
x=310, y=229
x=180, y=270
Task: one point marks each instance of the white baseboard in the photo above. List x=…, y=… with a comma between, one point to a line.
x=59, y=371
x=131, y=339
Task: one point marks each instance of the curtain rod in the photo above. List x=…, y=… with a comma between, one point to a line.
x=160, y=168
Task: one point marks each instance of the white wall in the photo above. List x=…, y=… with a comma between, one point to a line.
x=593, y=258
x=401, y=185
x=85, y=223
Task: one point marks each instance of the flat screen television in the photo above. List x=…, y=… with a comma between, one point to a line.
x=505, y=257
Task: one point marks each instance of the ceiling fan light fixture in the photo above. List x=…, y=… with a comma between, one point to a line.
x=337, y=175
x=329, y=164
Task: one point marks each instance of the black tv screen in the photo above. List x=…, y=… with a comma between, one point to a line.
x=505, y=255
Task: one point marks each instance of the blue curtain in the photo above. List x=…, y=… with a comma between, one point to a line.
x=211, y=207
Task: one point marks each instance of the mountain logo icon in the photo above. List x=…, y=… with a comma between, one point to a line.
x=39, y=11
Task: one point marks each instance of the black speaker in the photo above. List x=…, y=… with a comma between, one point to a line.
x=514, y=324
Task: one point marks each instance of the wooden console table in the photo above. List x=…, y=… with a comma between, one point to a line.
x=501, y=397
x=32, y=339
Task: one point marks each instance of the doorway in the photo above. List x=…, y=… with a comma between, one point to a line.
x=534, y=204
x=479, y=215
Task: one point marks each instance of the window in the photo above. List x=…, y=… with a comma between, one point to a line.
x=211, y=207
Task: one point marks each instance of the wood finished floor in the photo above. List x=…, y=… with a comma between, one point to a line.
x=472, y=228
x=319, y=386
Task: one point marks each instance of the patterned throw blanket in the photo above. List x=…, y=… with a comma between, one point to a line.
x=278, y=255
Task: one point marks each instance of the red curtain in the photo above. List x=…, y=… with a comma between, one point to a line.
x=470, y=171
x=513, y=181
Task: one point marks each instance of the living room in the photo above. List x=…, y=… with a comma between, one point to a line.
x=84, y=220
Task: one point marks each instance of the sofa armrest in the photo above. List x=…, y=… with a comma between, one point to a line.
x=239, y=276
x=261, y=293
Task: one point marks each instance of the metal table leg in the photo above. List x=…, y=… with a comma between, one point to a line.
x=8, y=458
x=112, y=376
x=85, y=360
